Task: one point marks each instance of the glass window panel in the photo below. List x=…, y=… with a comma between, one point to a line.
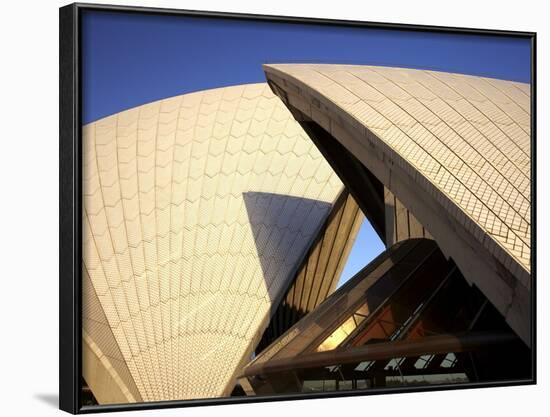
x=349, y=326
x=312, y=386
x=363, y=383
x=427, y=379
x=338, y=336
x=449, y=361
x=423, y=361
x=358, y=318
x=363, y=310
x=364, y=366
x=394, y=364
x=329, y=385
x=345, y=385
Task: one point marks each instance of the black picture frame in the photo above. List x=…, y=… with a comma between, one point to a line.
x=70, y=202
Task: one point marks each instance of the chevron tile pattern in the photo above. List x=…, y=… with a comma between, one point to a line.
x=197, y=211
x=464, y=138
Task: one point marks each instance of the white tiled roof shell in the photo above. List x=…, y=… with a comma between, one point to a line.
x=468, y=136
x=167, y=241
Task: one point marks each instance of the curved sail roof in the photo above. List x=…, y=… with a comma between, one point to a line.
x=454, y=148
x=198, y=210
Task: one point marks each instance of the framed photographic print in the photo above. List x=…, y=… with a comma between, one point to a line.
x=256, y=208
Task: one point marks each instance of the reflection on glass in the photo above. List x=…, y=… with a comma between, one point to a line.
x=364, y=366
x=426, y=379
x=363, y=383
x=345, y=385
x=423, y=361
x=393, y=364
x=313, y=386
x=344, y=330
x=449, y=361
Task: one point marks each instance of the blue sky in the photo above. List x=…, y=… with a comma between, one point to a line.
x=366, y=247
x=131, y=59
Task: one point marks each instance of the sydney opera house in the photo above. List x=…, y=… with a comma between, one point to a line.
x=217, y=224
